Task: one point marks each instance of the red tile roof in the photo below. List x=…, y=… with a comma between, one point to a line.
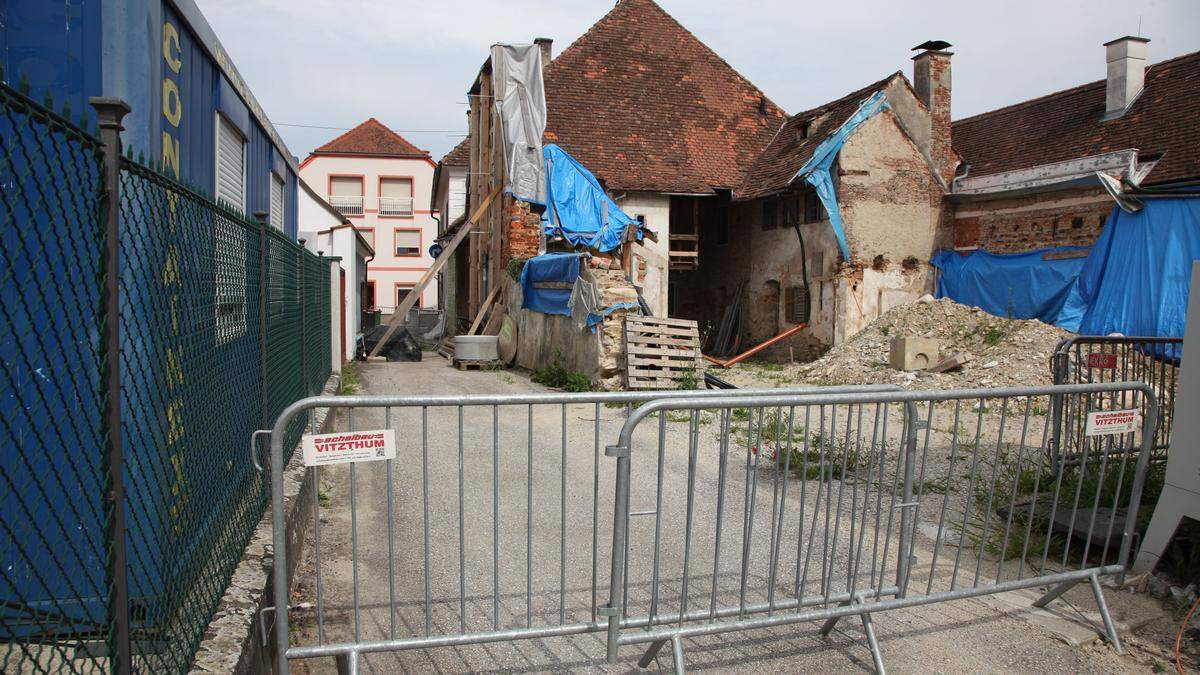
x=371, y=138
x=459, y=155
x=645, y=105
x=797, y=138
x=1165, y=118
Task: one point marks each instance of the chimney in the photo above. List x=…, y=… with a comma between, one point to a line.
x=544, y=44
x=1126, y=59
x=931, y=80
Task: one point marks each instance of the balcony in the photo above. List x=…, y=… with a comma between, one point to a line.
x=347, y=206
x=396, y=206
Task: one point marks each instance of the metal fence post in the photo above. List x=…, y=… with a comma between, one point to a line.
x=110, y=112
x=261, y=217
x=908, y=504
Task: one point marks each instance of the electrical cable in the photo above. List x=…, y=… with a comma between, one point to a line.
x=1179, y=636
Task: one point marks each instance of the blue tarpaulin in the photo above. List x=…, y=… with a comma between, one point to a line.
x=816, y=170
x=1136, y=280
x=578, y=208
x=1018, y=285
x=551, y=267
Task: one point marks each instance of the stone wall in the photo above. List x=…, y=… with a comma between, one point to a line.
x=1015, y=224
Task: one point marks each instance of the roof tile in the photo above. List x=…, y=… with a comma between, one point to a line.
x=371, y=138
x=1069, y=124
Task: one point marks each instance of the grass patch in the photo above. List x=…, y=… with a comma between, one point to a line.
x=993, y=336
x=348, y=383
x=827, y=459
x=556, y=376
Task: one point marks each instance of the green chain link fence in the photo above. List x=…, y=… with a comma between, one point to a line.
x=223, y=323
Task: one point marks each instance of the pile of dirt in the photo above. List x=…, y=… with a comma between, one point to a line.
x=1004, y=352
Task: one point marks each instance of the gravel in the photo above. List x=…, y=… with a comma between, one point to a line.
x=1004, y=352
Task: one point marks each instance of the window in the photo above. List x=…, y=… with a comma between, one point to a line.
x=276, y=202
x=346, y=194
x=368, y=299
x=395, y=197
x=770, y=213
x=367, y=234
x=791, y=210
x=812, y=207
x=229, y=237
x=408, y=243
x=796, y=304
x=402, y=293
x=231, y=165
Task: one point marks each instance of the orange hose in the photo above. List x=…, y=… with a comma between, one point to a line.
x=1179, y=636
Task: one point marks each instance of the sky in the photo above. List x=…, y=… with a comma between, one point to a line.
x=335, y=63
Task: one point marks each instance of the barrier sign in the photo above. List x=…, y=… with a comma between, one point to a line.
x=349, y=446
x=1107, y=361
x=1108, y=422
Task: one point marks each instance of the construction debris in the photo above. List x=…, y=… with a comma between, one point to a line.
x=987, y=351
x=913, y=353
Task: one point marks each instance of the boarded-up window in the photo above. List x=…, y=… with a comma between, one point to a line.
x=796, y=301
x=770, y=214
x=408, y=243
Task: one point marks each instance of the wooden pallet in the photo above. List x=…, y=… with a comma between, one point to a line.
x=659, y=352
x=472, y=364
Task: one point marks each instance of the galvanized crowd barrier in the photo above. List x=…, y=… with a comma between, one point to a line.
x=562, y=575
x=730, y=511
x=1114, y=358
x=963, y=473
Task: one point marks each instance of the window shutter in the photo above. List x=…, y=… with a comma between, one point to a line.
x=231, y=165
x=345, y=187
x=400, y=188
x=408, y=242
x=276, y=202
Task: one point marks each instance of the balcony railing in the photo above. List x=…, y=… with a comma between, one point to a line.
x=395, y=206
x=348, y=206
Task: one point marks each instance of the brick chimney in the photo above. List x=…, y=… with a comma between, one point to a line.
x=1126, y=59
x=931, y=80
x=544, y=44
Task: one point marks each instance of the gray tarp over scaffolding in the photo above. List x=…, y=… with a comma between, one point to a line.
x=521, y=106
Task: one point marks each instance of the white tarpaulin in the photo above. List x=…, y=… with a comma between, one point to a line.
x=521, y=107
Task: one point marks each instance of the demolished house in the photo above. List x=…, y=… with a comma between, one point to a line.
x=755, y=224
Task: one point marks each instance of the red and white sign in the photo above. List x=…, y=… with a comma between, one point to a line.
x=1108, y=422
x=1107, y=361
x=349, y=446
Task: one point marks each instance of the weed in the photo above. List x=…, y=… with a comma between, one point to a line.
x=323, y=495
x=506, y=378
x=348, y=384
x=827, y=459
x=934, y=487
x=689, y=381
x=993, y=336
x=514, y=268
x=885, y=329
x=556, y=376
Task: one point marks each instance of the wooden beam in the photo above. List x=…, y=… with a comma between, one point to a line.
x=415, y=293
x=484, y=308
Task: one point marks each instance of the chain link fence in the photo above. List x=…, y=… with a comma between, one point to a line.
x=222, y=323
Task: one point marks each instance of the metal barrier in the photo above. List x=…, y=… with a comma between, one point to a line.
x=453, y=446
x=1095, y=358
x=1002, y=517
x=492, y=533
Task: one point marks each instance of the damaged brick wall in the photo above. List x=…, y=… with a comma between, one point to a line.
x=1013, y=225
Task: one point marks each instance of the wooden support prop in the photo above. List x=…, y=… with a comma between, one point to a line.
x=415, y=293
x=754, y=350
x=483, y=309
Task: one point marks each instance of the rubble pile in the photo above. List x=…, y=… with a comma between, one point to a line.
x=998, y=351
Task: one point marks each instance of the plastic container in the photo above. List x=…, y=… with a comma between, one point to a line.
x=476, y=347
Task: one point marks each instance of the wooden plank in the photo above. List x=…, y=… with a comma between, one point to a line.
x=684, y=352
x=654, y=340
x=682, y=360
x=683, y=254
x=661, y=321
x=414, y=295
x=669, y=373
x=484, y=308
x=666, y=331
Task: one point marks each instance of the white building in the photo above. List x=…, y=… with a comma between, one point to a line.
x=325, y=231
x=382, y=184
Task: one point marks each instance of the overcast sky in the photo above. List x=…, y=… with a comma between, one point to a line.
x=334, y=63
